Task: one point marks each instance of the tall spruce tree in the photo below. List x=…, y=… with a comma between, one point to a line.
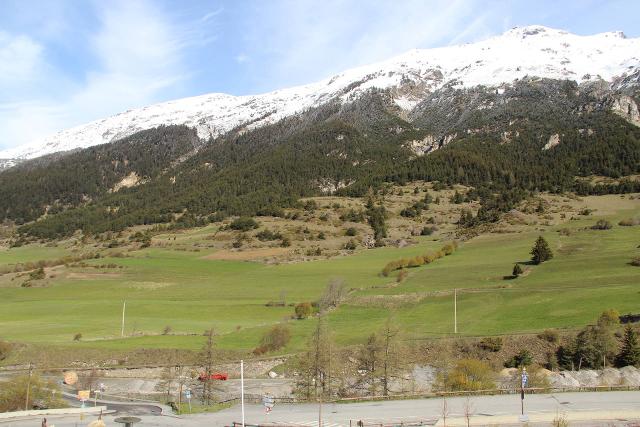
x=541, y=251
x=630, y=352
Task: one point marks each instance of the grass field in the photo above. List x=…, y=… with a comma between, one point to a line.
x=182, y=289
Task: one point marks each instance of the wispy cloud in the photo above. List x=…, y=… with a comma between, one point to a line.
x=340, y=34
x=242, y=58
x=137, y=53
x=20, y=57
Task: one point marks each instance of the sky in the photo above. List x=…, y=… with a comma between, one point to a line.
x=67, y=62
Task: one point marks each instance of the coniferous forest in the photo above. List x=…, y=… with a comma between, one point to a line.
x=342, y=148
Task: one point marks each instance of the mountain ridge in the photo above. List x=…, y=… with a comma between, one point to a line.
x=518, y=53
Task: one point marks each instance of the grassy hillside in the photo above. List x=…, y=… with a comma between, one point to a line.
x=193, y=280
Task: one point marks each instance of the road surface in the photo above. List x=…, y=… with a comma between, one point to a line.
x=618, y=408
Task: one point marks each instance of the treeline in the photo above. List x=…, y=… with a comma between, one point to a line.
x=598, y=346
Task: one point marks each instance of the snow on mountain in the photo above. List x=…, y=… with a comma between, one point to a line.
x=527, y=51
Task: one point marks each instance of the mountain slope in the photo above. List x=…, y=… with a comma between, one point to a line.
x=349, y=148
x=518, y=53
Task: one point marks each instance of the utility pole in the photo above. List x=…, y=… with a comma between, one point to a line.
x=242, y=389
x=124, y=306
x=320, y=406
x=26, y=401
x=455, y=311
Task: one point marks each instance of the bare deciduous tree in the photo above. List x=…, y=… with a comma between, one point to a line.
x=333, y=294
x=468, y=410
x=391, y=353
x=206, y=359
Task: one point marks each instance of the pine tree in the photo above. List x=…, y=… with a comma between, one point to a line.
x=541, y=251
x=630, y=353
x=517, y=270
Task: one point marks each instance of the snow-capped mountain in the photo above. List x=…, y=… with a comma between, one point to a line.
x=529, y=51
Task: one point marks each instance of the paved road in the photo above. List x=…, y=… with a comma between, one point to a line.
x=118, y=407
x=504, y=410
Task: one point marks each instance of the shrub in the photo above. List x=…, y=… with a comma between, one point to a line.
x=274, y=339
x=635, y=262
x=167, y=330
x=303, y=310
x=602, y=225
x=549, y=335
x=493, y=344
x=448, y=249
x=286, y=242
x=469, y=375
x=243, y=224
x=415, y=262
x=317, y=251
x=310, y=205
x=351, y=245
x=267, y=235
x=37, y=274
x=77, y=337
x=523, y=358
x=517, y=270
x=353, y=216
x=351, y=231
x=427, y=231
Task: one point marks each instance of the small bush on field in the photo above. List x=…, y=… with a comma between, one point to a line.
x=427, y=231
x=37, y=274
x=303, y=310
x=469, y=375
x=351, y=245
x=629, y=222
x=267, y=235
x=274, y=339
x=243, y=224
x=602, y=225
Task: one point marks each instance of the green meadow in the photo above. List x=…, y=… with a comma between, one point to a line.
x=184, y=290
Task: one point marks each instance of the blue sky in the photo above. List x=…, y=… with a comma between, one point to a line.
x=66, y=62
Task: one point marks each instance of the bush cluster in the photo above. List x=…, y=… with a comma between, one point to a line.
x=419, y=260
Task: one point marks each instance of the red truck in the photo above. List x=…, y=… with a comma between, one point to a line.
x=222, y=376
